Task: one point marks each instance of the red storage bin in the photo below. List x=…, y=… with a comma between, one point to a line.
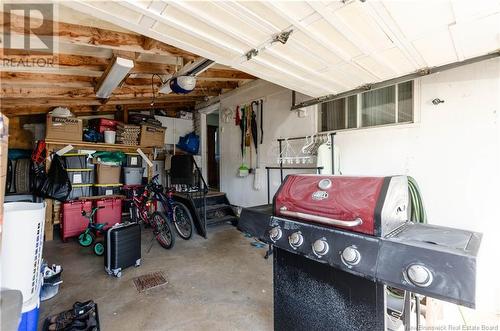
x=111, y=213
x=102, y=128
x=73, y=223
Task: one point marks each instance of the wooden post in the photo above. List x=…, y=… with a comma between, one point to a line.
x=49, y=226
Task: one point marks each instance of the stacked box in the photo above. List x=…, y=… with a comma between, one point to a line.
x=152, y=136
x=80, y=191
x=111, y=214
x=73, y=222
x=107, y=189
x=81, y=176
x=128, y=134
x=133, y=160
x=77, y=161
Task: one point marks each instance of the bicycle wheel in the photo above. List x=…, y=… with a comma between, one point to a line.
x=183, y=221
x=162, y=231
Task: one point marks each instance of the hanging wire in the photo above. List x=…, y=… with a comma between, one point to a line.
x=153, y=87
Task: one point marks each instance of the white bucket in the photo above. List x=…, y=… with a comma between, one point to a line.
x=109, y=137
x=22, y=244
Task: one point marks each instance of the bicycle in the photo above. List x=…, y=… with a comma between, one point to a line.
x=143, y=210
x=93, y=229
x=176, y=212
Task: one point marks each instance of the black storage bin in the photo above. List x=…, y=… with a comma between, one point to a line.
x=123, y=248
x=107, y=189
x=76, y=161
x=80, y=191
x=133, y=160
x=81, y=176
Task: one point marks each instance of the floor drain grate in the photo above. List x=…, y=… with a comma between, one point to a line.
x=147, y=281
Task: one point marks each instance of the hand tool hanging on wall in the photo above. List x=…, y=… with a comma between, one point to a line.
x=237, y=117
x=257, y=182
x=253, y=122
x=243, y=129
x=248, y=126
x=261, y=120
x=243, y=169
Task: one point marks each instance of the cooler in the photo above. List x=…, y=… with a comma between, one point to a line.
x=111, y=213
x=73, y=223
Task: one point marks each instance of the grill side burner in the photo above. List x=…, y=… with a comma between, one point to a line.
x=370, y=205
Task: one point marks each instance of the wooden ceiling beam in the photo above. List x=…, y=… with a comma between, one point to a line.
x=26, y=79
x=91, y=109
x=92, y=36
x=8, y=103
x=88, y=92
x=12, y=60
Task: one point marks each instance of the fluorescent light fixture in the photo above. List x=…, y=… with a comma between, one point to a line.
x=113, y=76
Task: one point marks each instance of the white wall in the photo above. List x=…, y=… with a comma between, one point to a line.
x=453, y=151
x=279, y=122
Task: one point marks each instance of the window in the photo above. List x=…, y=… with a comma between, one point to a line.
x=387, y=105
x=339, y=114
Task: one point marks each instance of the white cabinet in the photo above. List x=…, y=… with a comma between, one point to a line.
x=176, y=128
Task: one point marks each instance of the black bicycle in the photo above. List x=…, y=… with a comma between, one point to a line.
x=145, y=208
x=175, y=212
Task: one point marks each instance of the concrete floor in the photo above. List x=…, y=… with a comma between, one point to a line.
x=219, y=283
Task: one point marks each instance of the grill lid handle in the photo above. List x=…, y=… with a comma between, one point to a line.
x=321, y=219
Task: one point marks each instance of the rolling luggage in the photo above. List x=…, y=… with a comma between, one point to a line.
x=123, y=248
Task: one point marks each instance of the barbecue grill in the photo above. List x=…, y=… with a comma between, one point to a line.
x=339, y=241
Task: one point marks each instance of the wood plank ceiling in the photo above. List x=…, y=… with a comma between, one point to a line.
x=30, y=84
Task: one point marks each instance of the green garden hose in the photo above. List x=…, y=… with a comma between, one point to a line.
x=417, y=212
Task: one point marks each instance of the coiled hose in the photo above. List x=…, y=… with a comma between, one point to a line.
x=417, y=210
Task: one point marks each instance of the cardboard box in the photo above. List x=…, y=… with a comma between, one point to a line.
x=108, y=174
x=152, y=136
x=64, y=128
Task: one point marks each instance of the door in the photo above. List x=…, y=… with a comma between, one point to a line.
x=212, y=156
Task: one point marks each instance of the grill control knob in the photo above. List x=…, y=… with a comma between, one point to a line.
x=320, y=247
x=419, y=275
x=350, y=256
x=275, y=233
x=296, y=239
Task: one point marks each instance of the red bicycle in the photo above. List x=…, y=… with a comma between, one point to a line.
x=143, y=210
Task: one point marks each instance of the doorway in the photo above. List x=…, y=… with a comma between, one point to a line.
x=213, y=151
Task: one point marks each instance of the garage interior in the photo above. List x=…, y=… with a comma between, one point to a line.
x=250, y=165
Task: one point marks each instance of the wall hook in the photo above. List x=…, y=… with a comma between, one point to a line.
x=437, y=101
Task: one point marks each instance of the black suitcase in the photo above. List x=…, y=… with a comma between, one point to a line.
x=123, y=248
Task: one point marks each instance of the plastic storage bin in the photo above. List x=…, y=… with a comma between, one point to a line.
x=80, y=191
x=73, y=223
x=81, y=176
x=133, y=160
x=111, y=213
x=107, y=189
x=77, y=161
x=22, y=245
x=132, y=175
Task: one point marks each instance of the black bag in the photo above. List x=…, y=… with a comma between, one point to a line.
x=123, y=248
x=57, y=184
